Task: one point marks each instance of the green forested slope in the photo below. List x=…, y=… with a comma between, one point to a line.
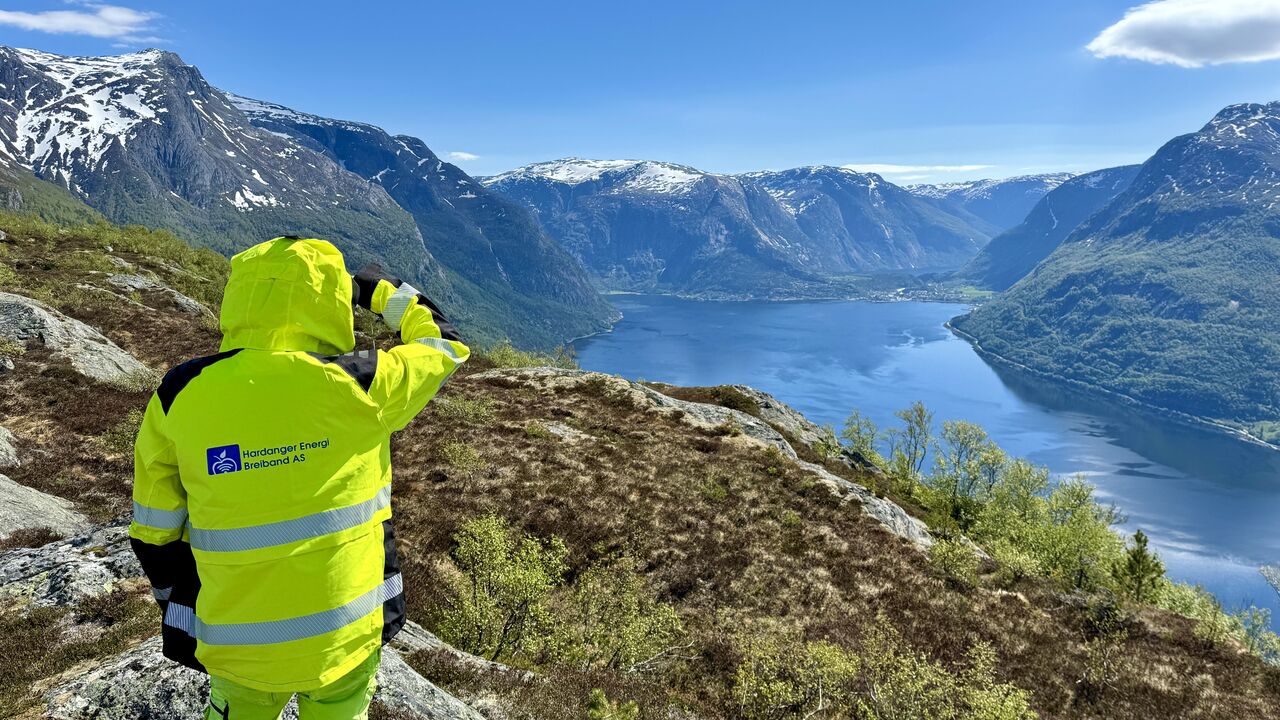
x=1168, y=295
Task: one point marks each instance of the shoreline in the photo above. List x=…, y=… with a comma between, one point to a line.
x=1132, y=402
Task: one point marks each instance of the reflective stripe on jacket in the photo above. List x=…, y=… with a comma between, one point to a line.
x=262, y=484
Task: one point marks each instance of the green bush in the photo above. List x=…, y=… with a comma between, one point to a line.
x=505, y=355
x=1014, y=563
x=462, y=457
x=501, y=604
x=955, y=561
x=535, y=429
x=611, y=620
x=462, y=410
x=119, y=438
x=10, y=348
x=781, y=676
x=899, y=682
x=599, y=708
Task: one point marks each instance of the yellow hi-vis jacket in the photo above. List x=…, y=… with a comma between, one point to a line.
x=262, y=482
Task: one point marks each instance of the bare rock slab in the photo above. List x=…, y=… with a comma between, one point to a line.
x=22, y=507
x=141, y=684
x=25, y=320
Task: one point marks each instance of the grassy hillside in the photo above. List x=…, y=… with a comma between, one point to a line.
x=21, y=191
x=684, y=567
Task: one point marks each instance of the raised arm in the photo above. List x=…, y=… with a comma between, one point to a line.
x=409, y=375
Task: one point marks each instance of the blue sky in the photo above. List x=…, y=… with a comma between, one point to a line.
x=946, y=90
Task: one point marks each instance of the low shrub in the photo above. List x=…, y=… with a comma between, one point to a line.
x=955, y=561
x=462, y=457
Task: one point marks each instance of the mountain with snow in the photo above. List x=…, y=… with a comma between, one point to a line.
x=1167, y=295
x=861, y=222
x=143, y=138
x=1014, y=253
x=654, y=226
x=647, y=225
x=1002, y=203
x=491, y=247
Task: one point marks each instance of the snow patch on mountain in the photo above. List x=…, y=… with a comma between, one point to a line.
x=88, y=104
x=634, y=175
x=1039, y=185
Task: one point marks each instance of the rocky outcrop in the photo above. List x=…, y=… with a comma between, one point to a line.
x=141, y=684
x=63, y=573
x=143, y=284
x=793, y=423
x=25, y=320
x=415, y=638
x=886, y=512
x=8, y=449
x=706, y=416
x=24, y=508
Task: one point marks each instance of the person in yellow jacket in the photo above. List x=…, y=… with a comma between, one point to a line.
x=262, y=483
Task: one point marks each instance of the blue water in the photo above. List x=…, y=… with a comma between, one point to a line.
x=1209, y=503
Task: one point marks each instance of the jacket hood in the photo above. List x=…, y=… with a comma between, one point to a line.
x=289, y=294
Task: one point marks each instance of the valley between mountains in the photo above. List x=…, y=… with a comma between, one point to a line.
x=682, y=552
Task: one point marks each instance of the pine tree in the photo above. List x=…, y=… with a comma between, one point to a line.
x=1139, y=572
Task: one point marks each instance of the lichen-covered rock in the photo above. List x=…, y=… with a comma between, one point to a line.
x=8, y=449
x=25, y=320
x=140, y=684
x=140, y=283
x=699, y=415
x=63, y=573
x=888, y=513
x=802, y=429
x=22, y=507
x=783, y=416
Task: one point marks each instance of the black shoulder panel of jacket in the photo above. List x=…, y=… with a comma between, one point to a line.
x=178, y=377
x=361, y=365
x=365, y=281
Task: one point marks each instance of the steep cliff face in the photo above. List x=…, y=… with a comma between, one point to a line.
x=144, y=139
x=640, y=225
x=859, y=222
x=645, y=225
x=1002, y=203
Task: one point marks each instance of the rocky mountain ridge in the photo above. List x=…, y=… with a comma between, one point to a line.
x=1011, y=255
x=1002, y=202
x=144, y=138
x=654, y=226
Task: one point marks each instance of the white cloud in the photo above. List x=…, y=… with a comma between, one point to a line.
x=892, y=169
x=460, y=156
x=96, y=20
x=1193, y=33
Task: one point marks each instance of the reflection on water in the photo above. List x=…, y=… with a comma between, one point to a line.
x=1208, y=501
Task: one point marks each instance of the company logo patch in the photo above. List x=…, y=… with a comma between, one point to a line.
x=223, y=459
